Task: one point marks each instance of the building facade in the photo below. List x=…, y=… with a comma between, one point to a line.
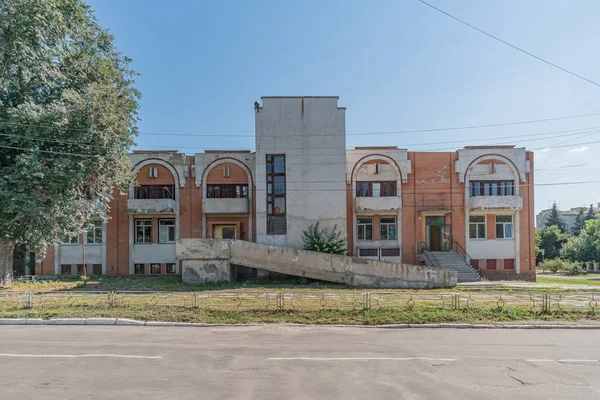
x=389, y=202
x=570, y=216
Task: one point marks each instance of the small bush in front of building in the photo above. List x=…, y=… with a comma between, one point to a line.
x=330, y=241
x=572, y=268
x=554, y=265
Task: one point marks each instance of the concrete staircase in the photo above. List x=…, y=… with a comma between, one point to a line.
x=453, y=261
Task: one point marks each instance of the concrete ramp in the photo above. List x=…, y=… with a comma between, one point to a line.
x=210, y=260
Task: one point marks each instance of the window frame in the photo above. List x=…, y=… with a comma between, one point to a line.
x=151, y=269
x=135, y=230
x=167, y=265
x=227, y=191
x=65, y=266
x=386, y=189
x=70, y=240
x=143, y=269
x=160, y=240
x=154, y=192
x=362, y=226
x=384, y=249
x=368, y=249
x=477, y=225
x=387, y=225
x=272, y=194
x=485, y=188
x=94, y=267
x=504, y=225
x=98, y=225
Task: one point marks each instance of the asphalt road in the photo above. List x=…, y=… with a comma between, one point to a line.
x=279, y=362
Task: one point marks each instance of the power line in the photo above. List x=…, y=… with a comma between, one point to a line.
x=442, y=129
x=570, y=132
x=509, y=44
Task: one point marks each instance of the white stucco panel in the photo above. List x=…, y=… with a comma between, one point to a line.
x=491, y=249
x=517, y=157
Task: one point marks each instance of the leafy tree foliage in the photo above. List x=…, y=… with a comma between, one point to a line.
x=591, y=213
x=579, y=223
x=550, y=240
x=586, y=246
x=330, y=241
x=556, y=219
x=68, y=115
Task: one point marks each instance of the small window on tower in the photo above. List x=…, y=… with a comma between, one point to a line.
x=226, y=171
x=153, y=172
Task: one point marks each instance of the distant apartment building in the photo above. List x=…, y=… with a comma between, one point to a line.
x=569, y=216
x=390, y=203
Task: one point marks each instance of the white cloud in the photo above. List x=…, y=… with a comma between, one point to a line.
x=544, y=150
x=579, y=149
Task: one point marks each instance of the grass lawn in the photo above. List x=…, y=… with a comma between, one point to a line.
x=593, y=280
x=303, y=302
x=160, y=283
x=327, y=317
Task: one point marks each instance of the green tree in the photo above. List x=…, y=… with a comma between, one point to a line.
x=591, y=213
x=68, y=116
x=581, y=248
x=330, y=241
x=579, y=223
x=550, y=241
x=556, y=219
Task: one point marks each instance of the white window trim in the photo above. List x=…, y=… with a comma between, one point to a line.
x=135, y=228
x=93, y=230
x=512, y=230
x=478, y=223
x=360, y=225
x=168, y=227
x=388, y=224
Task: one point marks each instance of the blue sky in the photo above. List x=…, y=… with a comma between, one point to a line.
x=396, y=65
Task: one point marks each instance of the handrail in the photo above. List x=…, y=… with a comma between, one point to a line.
x=456, y=247
x=435, y=262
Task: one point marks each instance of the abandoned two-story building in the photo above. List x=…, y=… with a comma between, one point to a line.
x=474, y=205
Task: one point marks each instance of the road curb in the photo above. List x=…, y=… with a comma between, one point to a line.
x=133, y=322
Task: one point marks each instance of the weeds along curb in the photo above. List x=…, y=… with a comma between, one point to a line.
x=133, y=322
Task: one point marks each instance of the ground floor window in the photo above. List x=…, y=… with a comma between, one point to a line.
x=143, y=231
x=140, y=269
x=490, y=264
x=166, y=231
x=368, y=252
x=387, y=228
x=155, y=269
x=477, y=226
x=504, y=227
x=80, y=269
x=97, y=269
x=170, y=268
x=391, y=252
x=65, y=269
x=364, y=228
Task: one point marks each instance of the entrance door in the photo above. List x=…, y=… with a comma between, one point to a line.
x=438, y=233
x=435, y=237
x=224, y=232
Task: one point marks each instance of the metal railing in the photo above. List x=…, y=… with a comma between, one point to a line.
x=303, y=300
x=154, y=192
x=456, y=247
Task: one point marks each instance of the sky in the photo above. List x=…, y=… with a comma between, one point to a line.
x=396, y=65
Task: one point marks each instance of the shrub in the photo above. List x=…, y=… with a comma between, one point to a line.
x=572, y=268
x=554, y=265
x=324, y=240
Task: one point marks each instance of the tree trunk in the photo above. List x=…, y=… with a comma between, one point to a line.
x=7, y=248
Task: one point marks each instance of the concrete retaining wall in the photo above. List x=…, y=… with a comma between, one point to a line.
x=208, y=260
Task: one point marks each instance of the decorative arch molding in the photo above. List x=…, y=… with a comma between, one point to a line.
x=220, y=161
x=497, y=157
x=400, y=173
